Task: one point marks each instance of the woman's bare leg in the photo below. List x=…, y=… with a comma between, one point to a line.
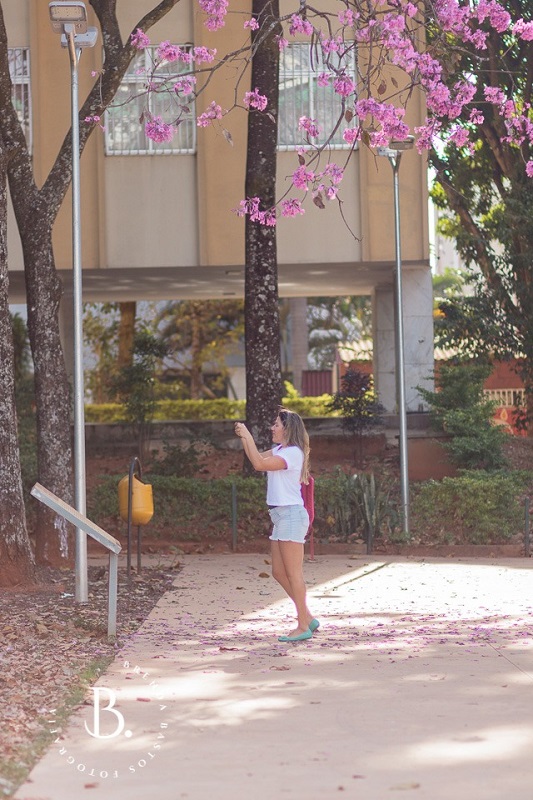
x=287, y=569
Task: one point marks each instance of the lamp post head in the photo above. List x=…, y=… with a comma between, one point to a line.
x=68, y=13
x=396, y=147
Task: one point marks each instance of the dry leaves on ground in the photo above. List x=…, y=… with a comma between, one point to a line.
x=52, y=648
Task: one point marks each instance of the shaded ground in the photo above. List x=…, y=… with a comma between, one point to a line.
x=51, y=649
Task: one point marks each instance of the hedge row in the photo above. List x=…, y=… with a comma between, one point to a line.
x=222, y=408
x=474, y=508
x=477, y=507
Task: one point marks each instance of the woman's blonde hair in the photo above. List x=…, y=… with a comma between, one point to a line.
x=296, y=434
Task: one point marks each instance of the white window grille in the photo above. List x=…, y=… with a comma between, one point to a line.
x=301, y=96
x=19, y=71
x=124, y=130
x=506, y=397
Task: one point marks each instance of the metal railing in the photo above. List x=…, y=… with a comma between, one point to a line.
x=95, y=532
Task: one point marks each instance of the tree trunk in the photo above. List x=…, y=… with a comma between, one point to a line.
x=16, y=557
x=36, y=211
x=126, y=333
x=262, y=328
x=54, y=538
x=196, y=357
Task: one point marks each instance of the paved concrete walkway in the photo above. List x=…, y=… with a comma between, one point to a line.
x=419, y=683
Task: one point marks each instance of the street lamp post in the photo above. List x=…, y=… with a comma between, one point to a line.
x=70, y=20
x=394, y=153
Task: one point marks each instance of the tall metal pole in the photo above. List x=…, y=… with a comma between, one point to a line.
x=400, y=361
x=81, y=584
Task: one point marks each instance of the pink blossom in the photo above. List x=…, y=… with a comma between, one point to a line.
x=459, y=136
x=344, y=86
x=476, y=117
x=334, y=173
x=309, y=126
x=216, y=11
x=291, y=208
x=494, y=95
x=94, y=119
x=427, y=133
x=524, y=30
x=171, y=52
x=158, y=131
x=268, y=218
x=255, y=100
x=498, y=17
x=331, y=45
x=252, y=24
x=300, y=25
x=214, y=111
x=348, y=17
x=250, y=207
x=323, y=79
x=529, y=169
x=301, y=177
x=204, y=55
x=139, y=39
x=185, y=85
x=282, y=42
x=351, y=135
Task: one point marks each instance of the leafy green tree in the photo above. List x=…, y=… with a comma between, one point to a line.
x=336, y=322
x=481, y=182
x=460, y=408
x=200, y=333
x=100, y=333
x=134, y=385
x=21, y=348
x=359, y=406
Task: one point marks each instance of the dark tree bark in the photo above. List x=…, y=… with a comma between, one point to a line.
x=36, y=210
x=262, y=325
x=16, y=557
x=126, y=333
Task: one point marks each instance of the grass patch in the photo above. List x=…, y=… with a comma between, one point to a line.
x=14, y=771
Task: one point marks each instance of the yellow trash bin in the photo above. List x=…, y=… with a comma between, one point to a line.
x=142, y=501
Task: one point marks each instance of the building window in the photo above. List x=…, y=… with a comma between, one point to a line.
x=19, y=71
x=301, y=96
x=124, y=129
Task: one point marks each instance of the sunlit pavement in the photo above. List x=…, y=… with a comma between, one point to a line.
x=419, y=683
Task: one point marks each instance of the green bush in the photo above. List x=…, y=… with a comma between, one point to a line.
x=221, y=408
x=337, y=505
x=192, y=509
x=460, y=408
x=477, y=507
x=188, y=509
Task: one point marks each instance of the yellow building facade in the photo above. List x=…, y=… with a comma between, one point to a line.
x=160, y=226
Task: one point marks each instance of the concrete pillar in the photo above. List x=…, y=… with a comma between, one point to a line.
x=299, y=339
x=418, y=335
x=418, y=338
x=383, y=349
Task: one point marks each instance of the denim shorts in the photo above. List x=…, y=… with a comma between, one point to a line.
x=291, y=523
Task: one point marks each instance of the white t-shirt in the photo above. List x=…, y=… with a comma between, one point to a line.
x=283, y=485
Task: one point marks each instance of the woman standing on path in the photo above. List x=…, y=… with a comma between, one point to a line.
x=287, y=466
